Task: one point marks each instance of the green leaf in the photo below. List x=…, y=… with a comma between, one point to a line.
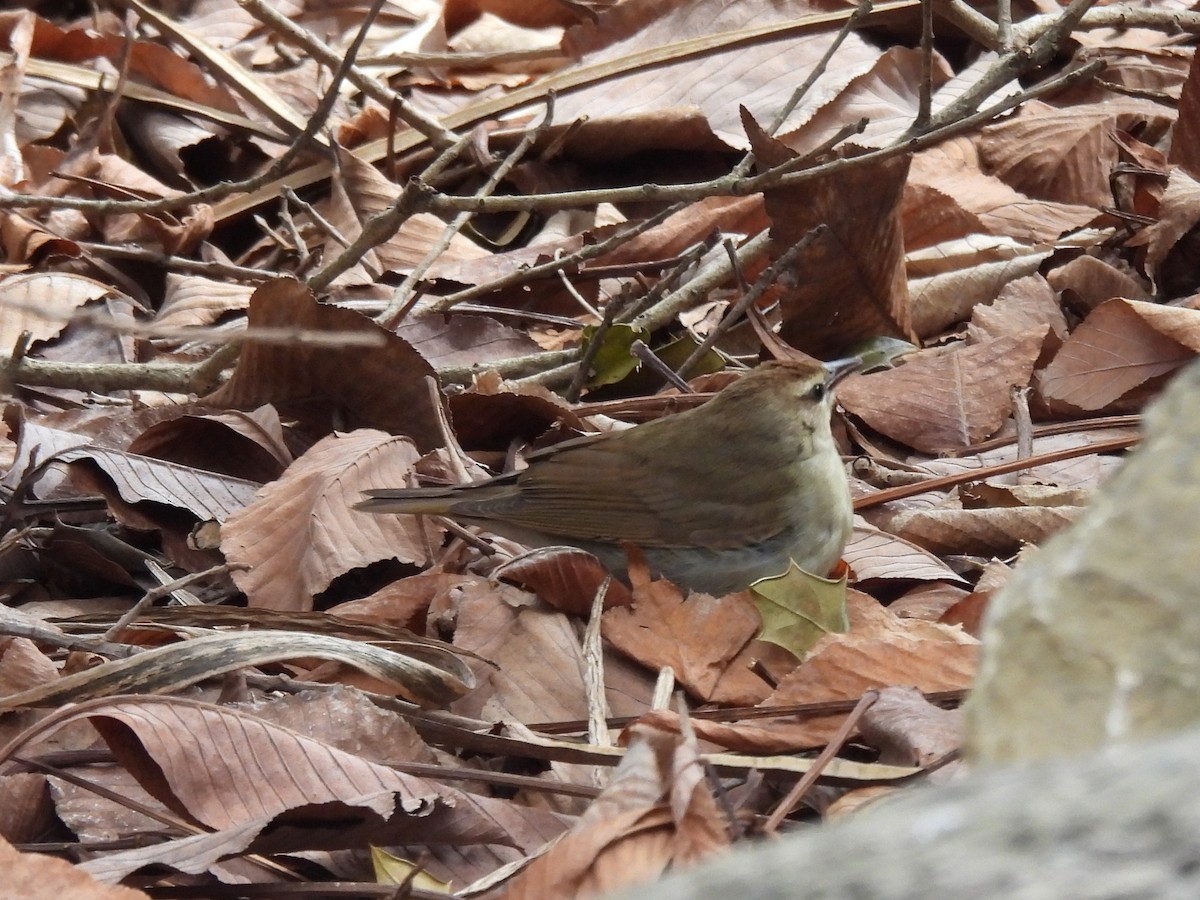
x=614, y=361
x=879, y=352
x=799, y=608
x=391, y=869
x=675, y=353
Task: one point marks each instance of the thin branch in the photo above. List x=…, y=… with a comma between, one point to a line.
x=392, y=315
x=565, y=263
x=440, y=137
x=768, y=277
x=381, y=227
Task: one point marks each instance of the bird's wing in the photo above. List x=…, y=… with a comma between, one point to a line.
x=616, y=489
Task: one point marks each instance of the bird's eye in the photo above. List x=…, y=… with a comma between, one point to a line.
x=817, y=392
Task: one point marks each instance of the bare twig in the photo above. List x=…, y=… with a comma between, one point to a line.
x=748, y=298
x=400, y=302
x=648, y=358
x=440, y=137
x=810, y=777
x=593, y=684
x=382, y=226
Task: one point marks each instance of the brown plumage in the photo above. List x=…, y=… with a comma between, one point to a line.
x=717, y=496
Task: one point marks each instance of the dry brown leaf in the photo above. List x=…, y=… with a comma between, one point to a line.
x=1066, y=154
x=457, y=14
x=1170, y=255
x=538, y=668
x=249, y=445
x=344, y=718
x=23, y=666
x=1084, y=472
x=699, y=637
x=953, y=169
x=566, y=578
x=1022, y=305
x=300, y=532
x=657, y=812
x=942, y=300
x=969, y=613
x=850, y=281
x=982, y=532
x=1089, y=281
x=36, y=876
x=236, y=773
x=43, y=303
x=908, y=730
x=154, y=62
x=331, y=384
x=1185, y=135
x=928, y=601
x=880, y=650
x=447, y=341
x=948, y=400
x=25, y=810
x=206, y=495
x=27, y=241
x=404, y=602
x=112, y=177
x=369, y=194
x=873, y=553
x=719, y=83
x=887, y=95
x=192, y=300
x=1121, y=346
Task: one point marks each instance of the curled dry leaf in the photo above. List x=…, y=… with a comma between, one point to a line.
x=1119, y=347
x=176, y=666
x=207, y=495
x=334, y=379
x=656, y=813
x=908, y=730
x=565, y=577
x=301, y=532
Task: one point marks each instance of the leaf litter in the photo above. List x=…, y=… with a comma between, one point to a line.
x=236, y=271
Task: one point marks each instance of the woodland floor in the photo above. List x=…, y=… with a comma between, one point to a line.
x=246, y=241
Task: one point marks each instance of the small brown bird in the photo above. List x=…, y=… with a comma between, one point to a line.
x=717, y=496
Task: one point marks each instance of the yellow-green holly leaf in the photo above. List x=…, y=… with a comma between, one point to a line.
x=799, y=608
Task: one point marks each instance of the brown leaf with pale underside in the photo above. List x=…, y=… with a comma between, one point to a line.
x=1118, y=348
x=376, y=381
x=949, y=400
x=851, y=280
x=300, y=531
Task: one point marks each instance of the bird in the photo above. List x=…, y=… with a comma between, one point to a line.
x=717, y=497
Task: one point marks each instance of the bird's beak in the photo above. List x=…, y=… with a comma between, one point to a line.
x=838, y=369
